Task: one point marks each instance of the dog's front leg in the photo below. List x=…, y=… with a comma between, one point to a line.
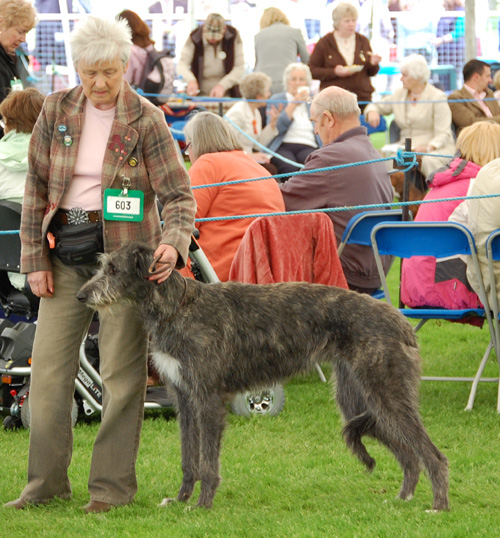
x=190, y=447
x=212, y=422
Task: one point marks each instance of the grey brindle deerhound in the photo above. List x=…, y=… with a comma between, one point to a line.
x=213, y=341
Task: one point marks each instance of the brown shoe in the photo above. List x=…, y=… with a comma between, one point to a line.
x=96, y=507
x=18, y=504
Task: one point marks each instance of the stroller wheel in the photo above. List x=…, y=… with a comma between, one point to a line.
x=268, y=401
x=11, y=423
x=26, y=416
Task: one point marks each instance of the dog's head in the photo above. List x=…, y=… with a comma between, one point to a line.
x=414, y=194
x=122, y=275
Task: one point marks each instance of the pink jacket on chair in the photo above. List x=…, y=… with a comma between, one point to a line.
x=444, y=284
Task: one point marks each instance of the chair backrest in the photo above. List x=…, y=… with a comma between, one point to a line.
x=382, y=126
x=10, y=244
x=394, y=132
x=437, y=239
x=493, y=245
x=359, y=228
x=493, y=255
x=287, y=248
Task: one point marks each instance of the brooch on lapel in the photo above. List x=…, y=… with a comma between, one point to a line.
x=67, y=140
x=118, y=146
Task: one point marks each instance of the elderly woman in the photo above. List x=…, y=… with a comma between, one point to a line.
x=277, y=45
x=17, y=18
x=426, y=281
x=255, y=89
x=93, y=148
x=343, y=57
x=427, y=123
x=296, y=139
x=217, y=157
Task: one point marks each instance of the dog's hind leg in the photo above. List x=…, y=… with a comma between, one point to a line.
x=358, y=421
x=389, y=435
x=190, y=447
x=407, y=438
x=436, y=465
x=212, y=415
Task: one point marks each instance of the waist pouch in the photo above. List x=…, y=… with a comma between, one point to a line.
x=78, y=244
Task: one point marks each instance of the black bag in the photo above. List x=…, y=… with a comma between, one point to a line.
x=78, y=244
x=158, y=76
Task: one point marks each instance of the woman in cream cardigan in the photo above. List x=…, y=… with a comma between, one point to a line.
x=421, y=112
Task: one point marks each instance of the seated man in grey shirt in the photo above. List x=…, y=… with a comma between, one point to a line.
x=335, y=113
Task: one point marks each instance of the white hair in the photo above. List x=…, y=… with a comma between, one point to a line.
x=96, y=40
x=296, y=66
x=416, y=67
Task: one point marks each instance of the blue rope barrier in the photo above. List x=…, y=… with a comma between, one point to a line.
x=181, y=97
x=327, y=210
x=399, y=158
x=176, y=132
x=346, y=208
x=300, y=173
x=261, y=146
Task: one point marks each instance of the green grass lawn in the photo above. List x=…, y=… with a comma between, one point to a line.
x=291, y=475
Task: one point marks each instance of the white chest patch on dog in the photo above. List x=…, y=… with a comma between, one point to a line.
x=167, y=367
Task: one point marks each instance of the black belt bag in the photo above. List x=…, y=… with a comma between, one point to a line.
x=78, y=244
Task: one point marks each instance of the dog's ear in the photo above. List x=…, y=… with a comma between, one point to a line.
x=142, y=256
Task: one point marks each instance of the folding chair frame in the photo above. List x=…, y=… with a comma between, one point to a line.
x=440, y=240
x=359, y=228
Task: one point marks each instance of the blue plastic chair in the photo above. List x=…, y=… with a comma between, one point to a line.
x=359, y=228
x=382, y=126
x=440, y=240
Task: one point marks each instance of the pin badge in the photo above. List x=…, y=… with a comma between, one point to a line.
x=132, y=161
x=62, y=128
x=67, y=141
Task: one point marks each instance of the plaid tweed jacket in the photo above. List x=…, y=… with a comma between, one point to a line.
x=140, y=147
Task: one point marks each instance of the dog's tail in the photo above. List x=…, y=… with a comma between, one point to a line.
x=353, y=431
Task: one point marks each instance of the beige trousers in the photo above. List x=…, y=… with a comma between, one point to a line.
x=62, y=324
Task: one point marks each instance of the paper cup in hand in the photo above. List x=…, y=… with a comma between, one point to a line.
x=304, y=91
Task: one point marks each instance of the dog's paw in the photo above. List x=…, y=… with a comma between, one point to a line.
x=405, y=497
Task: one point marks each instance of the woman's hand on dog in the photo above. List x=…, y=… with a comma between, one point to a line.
x=165, y=264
